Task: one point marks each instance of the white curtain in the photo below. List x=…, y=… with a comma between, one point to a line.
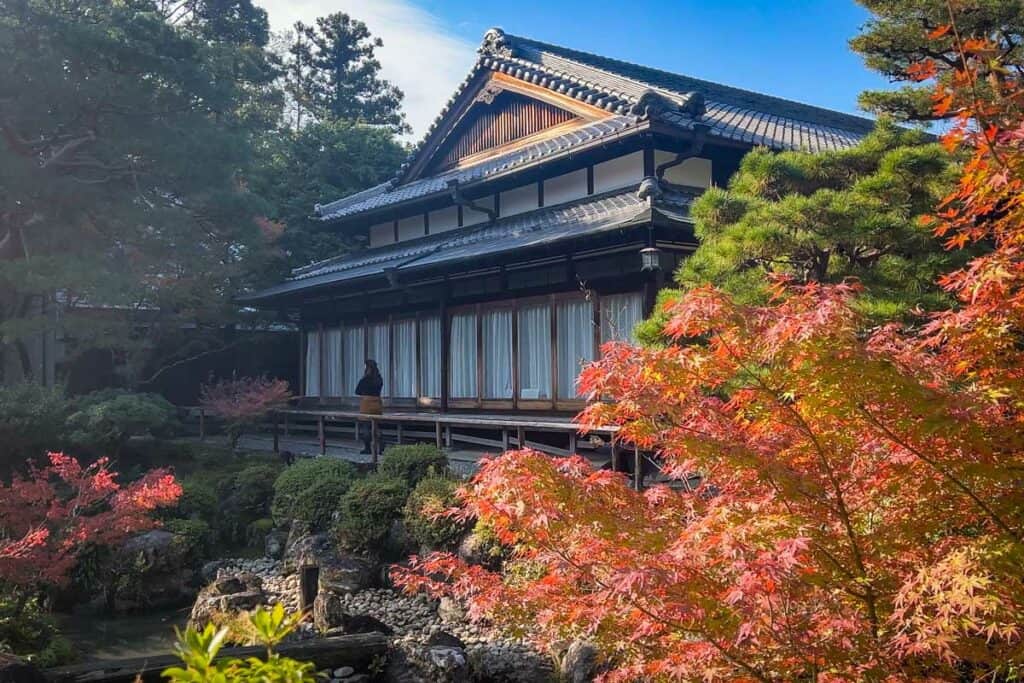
x=535, y=352
x=332, y=362
x=430, y=357
x=313, y=363
x=380, y=351
x=497, y=331
x=404, y=373
x=353, y=353
x=462, y=361
x=620, y=314
x=575, y=333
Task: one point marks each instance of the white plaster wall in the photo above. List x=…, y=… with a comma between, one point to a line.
x=382, y=234
x=565, y=188
x=619, y=172
x=410, y=228
x=694, y=172
x=471, y=217
x=519, y=200
x=444, y=219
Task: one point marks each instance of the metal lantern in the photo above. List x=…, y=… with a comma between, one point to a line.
x=650, y=258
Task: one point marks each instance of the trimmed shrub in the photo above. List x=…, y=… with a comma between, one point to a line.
x=245, y=498
x=31, y=421
x=256, y=533
x=195, y=537
x=431, y=497
x=367, y=511
x=103, y=421
x=198, y=500
x=310, y=490
x=413, y=463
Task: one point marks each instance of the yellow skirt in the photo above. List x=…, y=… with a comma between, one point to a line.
x=370, y=405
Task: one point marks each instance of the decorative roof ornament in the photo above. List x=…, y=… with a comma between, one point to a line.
x=693, y=104
x=488, y=93
x=496, y=43
x=650, y=189
x=651, y=103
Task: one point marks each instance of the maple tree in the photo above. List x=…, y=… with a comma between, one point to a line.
x=48, y=518
x=858, y=514
x=244, y=401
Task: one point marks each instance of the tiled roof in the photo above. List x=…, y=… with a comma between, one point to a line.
x=386, y=194
x=620, y=88
x=587, y=216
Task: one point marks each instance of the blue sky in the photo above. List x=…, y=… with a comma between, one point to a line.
x=789, y=48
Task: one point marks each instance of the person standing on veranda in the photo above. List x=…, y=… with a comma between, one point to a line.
x=368, y=390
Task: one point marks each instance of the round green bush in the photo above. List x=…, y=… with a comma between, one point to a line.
x=194, y=537
x=413, y=462
x=367, y=511
x=309, y=491
x=432, y=496
x=245, y=497
x=198, y=500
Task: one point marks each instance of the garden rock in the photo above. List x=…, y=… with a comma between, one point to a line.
x=445, y=639
x=580, y=662
x=346, y=573
x=274, y=544
x=227, y=593
x=411, y=662
x=14, y=670
x=450, y=611
x=158, y=570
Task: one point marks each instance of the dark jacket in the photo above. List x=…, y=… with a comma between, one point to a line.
x=370, y=386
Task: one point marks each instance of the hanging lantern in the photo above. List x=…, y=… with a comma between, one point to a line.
x=650, y=259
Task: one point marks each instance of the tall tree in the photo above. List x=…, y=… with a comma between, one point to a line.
x=826, y=217
x=333, y=74
x=905, y=39
x=122, y=139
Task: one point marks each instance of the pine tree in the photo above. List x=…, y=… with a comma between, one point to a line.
x=826, y=217
x=124, y=130
x=904, y=36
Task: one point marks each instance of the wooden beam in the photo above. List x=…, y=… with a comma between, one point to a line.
x=638, y=469
x=321, y=434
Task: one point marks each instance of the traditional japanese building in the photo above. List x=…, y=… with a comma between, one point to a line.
x=535, y=221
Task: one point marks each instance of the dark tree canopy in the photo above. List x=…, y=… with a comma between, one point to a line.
x=904, y=35
x=316, y=164
x=333, y=73
x=123, y=136
x=827, y=217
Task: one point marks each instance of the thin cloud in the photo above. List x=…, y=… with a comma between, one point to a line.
x=419, y=55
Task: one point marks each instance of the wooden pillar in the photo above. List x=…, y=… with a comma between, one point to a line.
x=638, y=469
x=616, y=456
x=321, y=432
x=445, y=347
x=277, y=438
x=398, y=433
x=521, y=437
x=504, y=440
x=572, y=443
x=374, y=442
x=448, y=436
x=437, y=434
x=202, y=424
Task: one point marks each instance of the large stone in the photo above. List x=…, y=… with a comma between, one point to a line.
x=328, y=611
x=14, y=670
x=304, y=549
x=475, y=548
x=409, y=662
x=155, y=571
x=274, y=544
x=227, y=593
x=345, y=573
x=450, y=611
x=580, y=664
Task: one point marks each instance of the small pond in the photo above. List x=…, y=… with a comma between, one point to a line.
x=108, y=637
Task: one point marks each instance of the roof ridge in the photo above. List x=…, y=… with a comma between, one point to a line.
x=573, y=54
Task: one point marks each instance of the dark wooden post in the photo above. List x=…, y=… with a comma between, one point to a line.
x=374, y=441
x=616, y=456
x=322, y=434
x=572, y=442
x=504, y=440
x=398, y=433
x=277, y=444
x=521, y=437
x=638, y=469
x=202, y=424
x=437, y=433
